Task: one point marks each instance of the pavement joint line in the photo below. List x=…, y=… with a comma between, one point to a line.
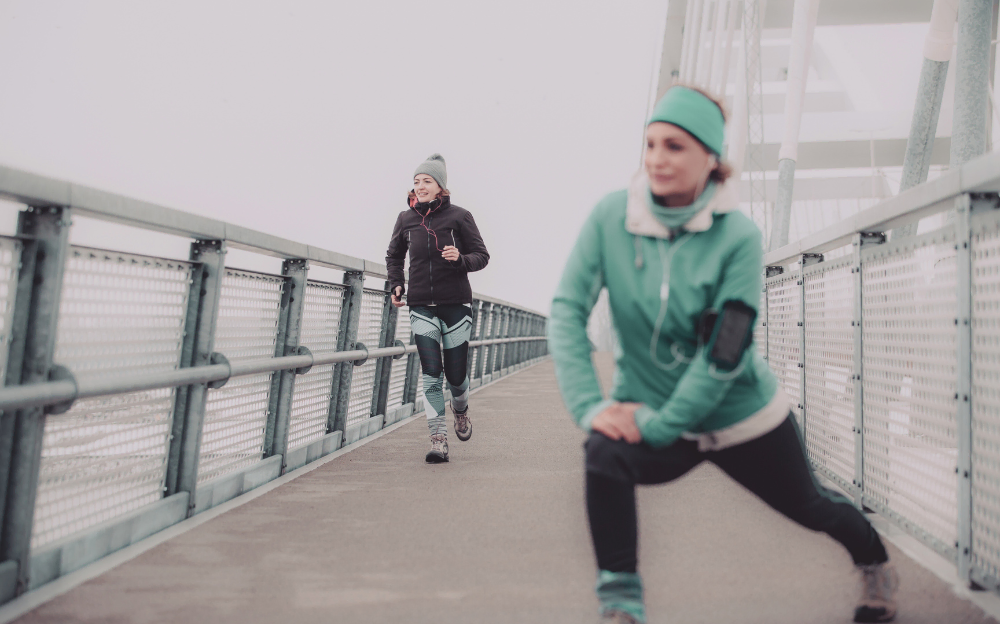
x=32, y=600
x=926, y=557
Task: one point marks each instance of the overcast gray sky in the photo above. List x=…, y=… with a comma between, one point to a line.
x=306, y=119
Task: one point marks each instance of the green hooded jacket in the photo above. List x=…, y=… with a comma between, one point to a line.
x=716, y=257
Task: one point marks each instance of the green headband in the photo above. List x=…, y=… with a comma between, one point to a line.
x=693, y=112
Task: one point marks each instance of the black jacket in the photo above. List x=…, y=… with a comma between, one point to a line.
x=434, y=280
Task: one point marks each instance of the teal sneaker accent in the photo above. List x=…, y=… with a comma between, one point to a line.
x=621, y=591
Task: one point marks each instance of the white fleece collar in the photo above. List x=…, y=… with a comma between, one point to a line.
x=640, y=220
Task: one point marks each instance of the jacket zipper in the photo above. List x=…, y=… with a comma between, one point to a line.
x=430, y=260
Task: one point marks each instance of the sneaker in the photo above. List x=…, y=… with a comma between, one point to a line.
x=617, y=617
x=879, y=583
x=439, y=449
x=463, y=424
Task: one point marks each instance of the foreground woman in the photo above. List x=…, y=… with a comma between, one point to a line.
x=444, y=246
x=683, y=271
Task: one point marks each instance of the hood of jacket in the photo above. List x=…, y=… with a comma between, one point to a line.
x=640, y=220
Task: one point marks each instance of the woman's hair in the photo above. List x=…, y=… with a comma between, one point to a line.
x=723, y=169
x=442, y=193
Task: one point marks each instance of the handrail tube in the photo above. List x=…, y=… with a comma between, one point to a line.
x=48, y=393
x=38, y=190
x=932, y=197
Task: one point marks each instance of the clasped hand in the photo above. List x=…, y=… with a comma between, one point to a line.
x=617, y=422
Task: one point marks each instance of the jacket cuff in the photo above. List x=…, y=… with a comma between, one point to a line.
x=645, y=416
x=592, y=413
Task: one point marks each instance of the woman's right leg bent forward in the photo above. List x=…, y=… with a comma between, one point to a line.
x=614, y=468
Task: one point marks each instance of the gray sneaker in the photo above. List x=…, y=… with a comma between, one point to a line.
x=463, y=424
x=439, y=449
x=879, y=583
x=617, y=617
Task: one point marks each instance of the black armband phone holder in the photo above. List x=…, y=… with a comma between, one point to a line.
x=727, y=334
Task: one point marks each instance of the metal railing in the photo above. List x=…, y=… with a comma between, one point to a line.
x=140, y=390
x=891, y=351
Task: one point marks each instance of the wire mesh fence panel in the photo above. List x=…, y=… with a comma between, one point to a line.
x=784, y=349
x=909, y=333
x=397, y=377
x=829, y=367
x=236, y=414
x=986, y=396
x=369, y=331
x=320, y=326
x=107, y=456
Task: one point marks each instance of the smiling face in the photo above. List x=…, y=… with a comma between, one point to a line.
x=425, y=188
x=678, y=164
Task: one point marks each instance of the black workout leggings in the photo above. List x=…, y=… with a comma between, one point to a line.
x=774, y=467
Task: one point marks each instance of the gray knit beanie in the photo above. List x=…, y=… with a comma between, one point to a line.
x=434, y=167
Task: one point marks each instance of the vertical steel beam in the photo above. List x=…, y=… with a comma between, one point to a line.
x=487, y=308
x=723, y=79
x=687, y=39
x=292, y=302
x=926, y=109
x=693, y=39
x=383, y=368
x=347, y=337
x=803, y=27
x=45, y=234
x=753, y=18
x=189, y=416
x=718, y=33
x=968, y=136
x=963, y=421
x=704, y=62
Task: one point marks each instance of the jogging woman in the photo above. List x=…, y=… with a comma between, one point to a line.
x=445, y=246
x=683, y=271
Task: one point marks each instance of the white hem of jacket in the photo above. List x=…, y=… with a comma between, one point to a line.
x=763, y=421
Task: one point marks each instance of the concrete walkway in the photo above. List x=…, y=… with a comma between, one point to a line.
x=498, y=535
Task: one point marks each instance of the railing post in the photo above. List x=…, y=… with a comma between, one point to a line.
x=484, y=313
x=522, y=326
x=474, y=335
x=350, y=319
x=412, y=376
x=963, y=351
x=501, y=349
x=511, y=358
x=861, y=240
x=292, y=303
x=383, y=368
x=493, y=349
x=808, y=260
x=45, y=235
x=279, y=349
x=199, y=343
